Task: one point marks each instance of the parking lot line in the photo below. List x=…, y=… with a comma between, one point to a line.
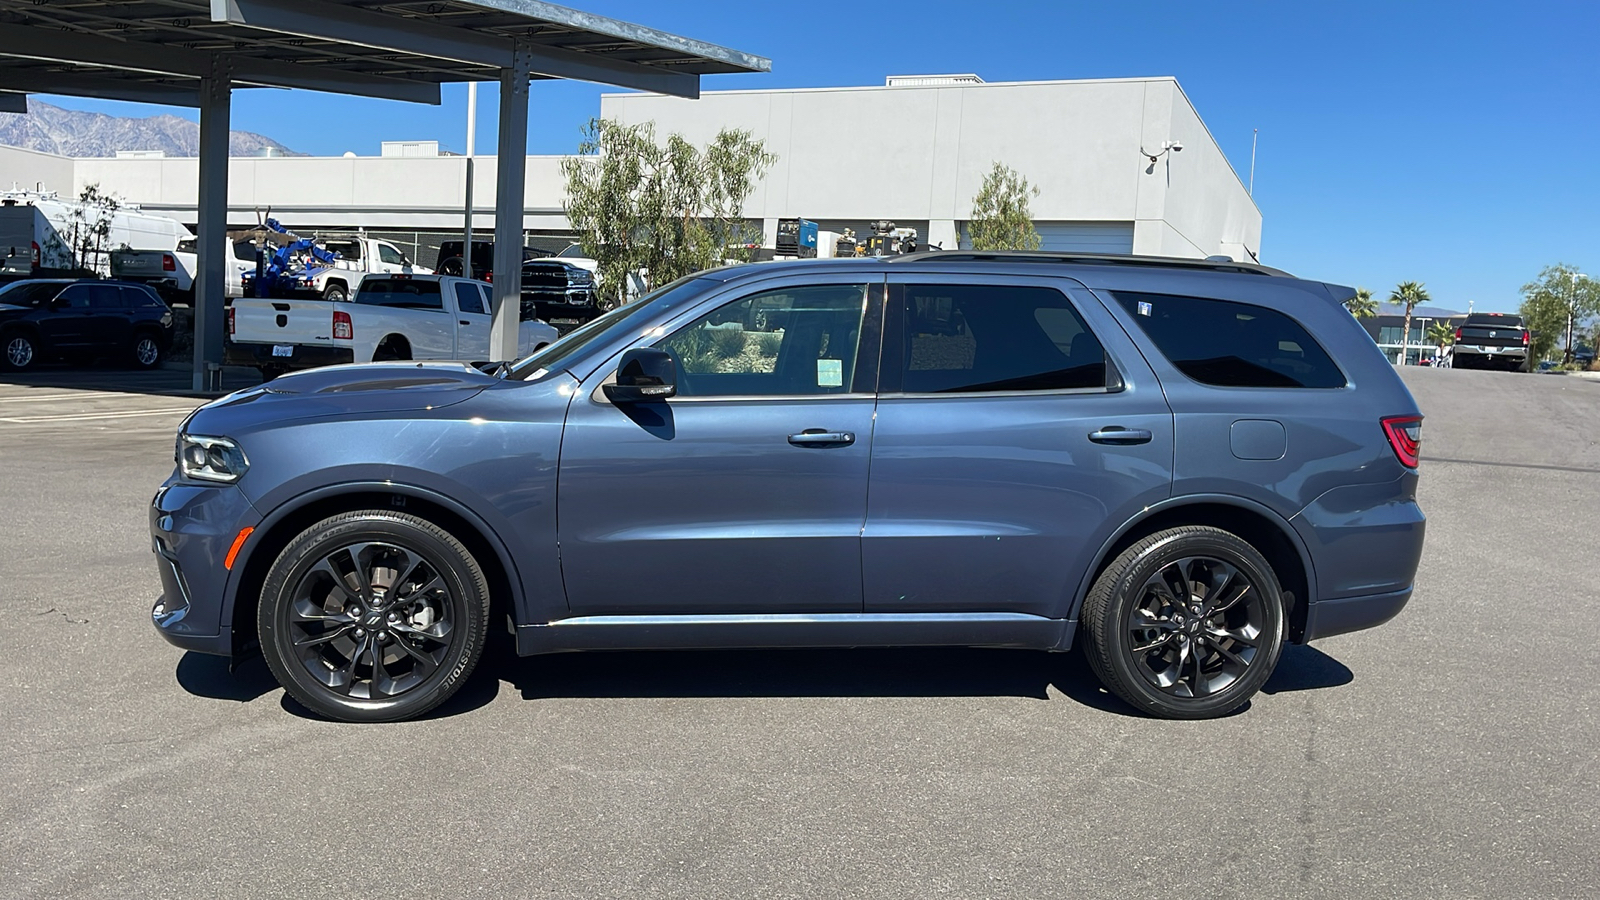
x=73, y=396
x=90, y=417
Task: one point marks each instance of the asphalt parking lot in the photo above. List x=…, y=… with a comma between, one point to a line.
x=1449, y=754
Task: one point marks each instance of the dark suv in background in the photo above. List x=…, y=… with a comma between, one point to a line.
x=1492, y=341
x=1177, y=464
x=44, y=319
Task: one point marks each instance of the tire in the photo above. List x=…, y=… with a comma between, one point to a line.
x=19, y=351
x=270, y=372
x=146, y=351
x=326, y=606
x=451, y=266
x=335, y=293
x=1136, y=638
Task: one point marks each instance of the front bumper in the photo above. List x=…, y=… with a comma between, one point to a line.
x=301, y=356
x=192, y=528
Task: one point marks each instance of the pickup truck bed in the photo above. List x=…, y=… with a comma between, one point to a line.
x=391, y=317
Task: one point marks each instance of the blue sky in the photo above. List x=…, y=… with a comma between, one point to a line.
x=1447, y=143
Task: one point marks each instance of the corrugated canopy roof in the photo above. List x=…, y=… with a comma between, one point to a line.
x=156, y=50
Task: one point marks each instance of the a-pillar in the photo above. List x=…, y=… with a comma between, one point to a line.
x=210, y=283
x=510, y=178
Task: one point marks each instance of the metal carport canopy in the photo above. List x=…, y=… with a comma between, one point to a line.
x=193, y=52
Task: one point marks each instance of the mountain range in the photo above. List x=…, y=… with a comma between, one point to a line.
x=69, y=132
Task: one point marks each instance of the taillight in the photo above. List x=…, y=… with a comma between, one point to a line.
x=489, y=277
x=343, y=329
x=1458, y=334
x=1527, y=337
x=230, y=321
x=1405, y=437
x=36, y=254
x=168, y=264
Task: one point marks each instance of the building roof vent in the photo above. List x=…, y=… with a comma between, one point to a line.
x=930, y=80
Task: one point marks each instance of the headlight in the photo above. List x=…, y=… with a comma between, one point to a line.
x=210, y=458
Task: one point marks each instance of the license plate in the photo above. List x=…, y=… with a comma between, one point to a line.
x=282, y=349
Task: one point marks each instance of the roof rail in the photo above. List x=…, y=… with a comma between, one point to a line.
x=1110, y=259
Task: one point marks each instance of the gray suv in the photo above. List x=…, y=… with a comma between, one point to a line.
x=1178, y=465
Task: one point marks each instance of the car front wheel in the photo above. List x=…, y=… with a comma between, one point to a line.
x=373, y=616
x=146, y=350
x=18, y=351
x=1187, y=623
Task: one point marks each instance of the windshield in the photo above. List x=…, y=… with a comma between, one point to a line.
x=559, y=354
x=573, y=252
x=30, y=293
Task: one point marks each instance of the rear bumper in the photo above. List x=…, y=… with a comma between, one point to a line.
x=301, y=357
x=1327, y=618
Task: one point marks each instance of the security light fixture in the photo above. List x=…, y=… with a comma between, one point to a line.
x=1166, y=147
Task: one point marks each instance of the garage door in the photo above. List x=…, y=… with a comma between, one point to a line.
x=1077, y=237
x=1086, y=237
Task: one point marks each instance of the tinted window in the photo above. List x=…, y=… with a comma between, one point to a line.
x=389, y=254
x=244, y=250
x=1496, y=320
x=468, y=298
x=791, y=342
x=1232, y=344
x=77, y=296
x=140, y=297
x=29, y=293
x=403, y=293
x=964, y=338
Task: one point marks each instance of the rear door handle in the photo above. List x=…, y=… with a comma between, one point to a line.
x=816, y=437
x=1116, y=434
x=464, y=321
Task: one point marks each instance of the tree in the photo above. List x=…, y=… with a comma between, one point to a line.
x=1001, y=219
x=1362, y=306
x=1440, y=335
x=1411, y=295
x=663, y=210
x=1557, y=305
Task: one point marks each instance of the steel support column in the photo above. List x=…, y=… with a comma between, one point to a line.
x=210, y=283
x=510, y=179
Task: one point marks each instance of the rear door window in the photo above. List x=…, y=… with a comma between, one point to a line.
x=983, y=338
x=468, y=298
x=1230, y=344
x=403, y=293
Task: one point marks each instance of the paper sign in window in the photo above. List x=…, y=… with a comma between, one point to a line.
x=830, y=373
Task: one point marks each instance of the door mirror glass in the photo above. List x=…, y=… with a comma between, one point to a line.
x=645, y=374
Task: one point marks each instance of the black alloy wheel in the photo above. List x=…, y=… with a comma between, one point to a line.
x=1187, y=623
x=373, y=616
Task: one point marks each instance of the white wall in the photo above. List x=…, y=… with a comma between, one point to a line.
x=29, y=170
x=911, y=154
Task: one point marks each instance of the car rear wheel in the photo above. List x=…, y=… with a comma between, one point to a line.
x=1187, y=623
x=335, y=293
x=373, y=616
x=146, y=352
x=18, y=351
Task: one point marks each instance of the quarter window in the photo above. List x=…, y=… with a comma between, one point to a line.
x=792, y=342
x=1230, y=344
x=974, y=338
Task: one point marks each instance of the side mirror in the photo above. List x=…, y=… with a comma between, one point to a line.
x=645, y=374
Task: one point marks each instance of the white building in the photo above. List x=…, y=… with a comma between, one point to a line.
x=913, y=151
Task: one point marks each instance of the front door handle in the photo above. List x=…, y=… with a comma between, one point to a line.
x=816, y=437
x=465, y=322
x=1116, y=434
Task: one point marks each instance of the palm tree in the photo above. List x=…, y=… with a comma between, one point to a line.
x=1409, y=294
x=1440, y=335
x=1362, y=306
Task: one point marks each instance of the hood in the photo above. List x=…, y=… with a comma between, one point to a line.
x=353, y=390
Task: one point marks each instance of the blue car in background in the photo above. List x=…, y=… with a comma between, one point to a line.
x=1179, y=464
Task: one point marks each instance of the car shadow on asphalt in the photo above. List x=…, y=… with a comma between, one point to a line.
x=121, y=379
x=898, y=672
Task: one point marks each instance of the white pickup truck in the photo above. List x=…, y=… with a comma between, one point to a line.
x=172, y=272
x=391, y=316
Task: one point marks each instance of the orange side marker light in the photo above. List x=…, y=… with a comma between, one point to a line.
x=233, y=552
